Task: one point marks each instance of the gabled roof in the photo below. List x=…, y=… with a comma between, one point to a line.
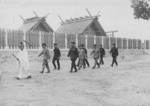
x=32, y=23
x=79, y=25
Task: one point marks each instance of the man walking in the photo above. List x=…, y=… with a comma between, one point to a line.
x=96, y=54
x=73, y=54
x=46, y=57
x=102, y=54
x=56, y=57
x=81, y=57
x=86, y=57
x=114, y=53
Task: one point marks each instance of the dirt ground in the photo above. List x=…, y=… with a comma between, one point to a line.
x=125, y=85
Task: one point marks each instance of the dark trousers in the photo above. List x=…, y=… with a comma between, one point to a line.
x=45, y=64
x=73, y=65
x=114, y=60
x=58, y=64
x=101, y=60
x=96, y=63
x=86, y=62
x=83, y=63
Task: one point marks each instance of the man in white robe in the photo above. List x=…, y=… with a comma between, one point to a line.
x=23, y=63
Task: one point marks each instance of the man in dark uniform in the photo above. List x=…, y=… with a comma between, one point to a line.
x=85, y=60
x=73, y=54
x=114, y=53
x=56, y=56
x=102, y=54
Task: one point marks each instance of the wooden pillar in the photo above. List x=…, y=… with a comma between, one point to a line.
x=66, y=41
x=54, y=39
x=103, y=41
x=127, y=43
x=6, y=39
x=40, y=40
x=109, y=43
x=86, y=41
x=94, y=39
x=76, y=40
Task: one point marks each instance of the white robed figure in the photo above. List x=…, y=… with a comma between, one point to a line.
x=23, y=63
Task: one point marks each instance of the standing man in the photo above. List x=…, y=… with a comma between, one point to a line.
x=102, y=54
x=86, y=57
x=114, y=53
x=96, y=54
x=81, y=57
x=73, y=54
x=46, y=57
x=56, y=56
x=23, y=62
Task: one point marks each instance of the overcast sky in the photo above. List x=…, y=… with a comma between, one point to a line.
x=115, y=14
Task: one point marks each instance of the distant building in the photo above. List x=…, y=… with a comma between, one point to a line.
x=36, y=24
x=82, y=26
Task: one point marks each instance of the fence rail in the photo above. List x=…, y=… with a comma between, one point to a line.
x=9, y=39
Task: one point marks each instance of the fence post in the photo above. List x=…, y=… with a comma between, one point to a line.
x=116, y=41
x=54, y=39
x=76, y=40
x=103, y=41
x=6, y=40
x=122, y=43
x=66, y=42
x=86, y=42
x=24, y=38
x=40, y=40
x=94, y=39
x=127, y=43
x=109, y=42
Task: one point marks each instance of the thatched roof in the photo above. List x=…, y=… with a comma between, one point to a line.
x=33, y=24
x=80, y=25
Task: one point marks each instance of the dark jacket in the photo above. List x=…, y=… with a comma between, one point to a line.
x=102, y=52
x=85, y=52
x=114, y=52
x=73, y=53
x=57, y=53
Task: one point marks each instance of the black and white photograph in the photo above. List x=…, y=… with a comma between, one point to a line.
x=74, y=52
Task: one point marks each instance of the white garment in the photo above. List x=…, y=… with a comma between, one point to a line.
x=23, y=64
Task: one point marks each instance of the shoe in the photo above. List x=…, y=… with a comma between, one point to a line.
x=48, y=72
x=111, y=65
x=41, y=72
x=93, y=67
x=54, y=69
x=17, y=78
x=29, y=77
x=58, y=68
x=99, y=66
x=70, y=71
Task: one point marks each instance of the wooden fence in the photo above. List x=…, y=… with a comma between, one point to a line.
x=9, y=39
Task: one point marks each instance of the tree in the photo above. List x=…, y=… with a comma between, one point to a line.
x=141, y=9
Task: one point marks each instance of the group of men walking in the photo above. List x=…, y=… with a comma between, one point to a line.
x=98, y=53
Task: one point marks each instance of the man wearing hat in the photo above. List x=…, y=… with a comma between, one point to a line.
x=102, y=54
x=56, y=56
x=114, y=53
x=96, y=54
x=46, y=56
x=85, y=60
x=73, y=54
x=81, y=57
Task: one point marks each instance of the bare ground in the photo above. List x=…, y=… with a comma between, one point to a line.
x=125, y=85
